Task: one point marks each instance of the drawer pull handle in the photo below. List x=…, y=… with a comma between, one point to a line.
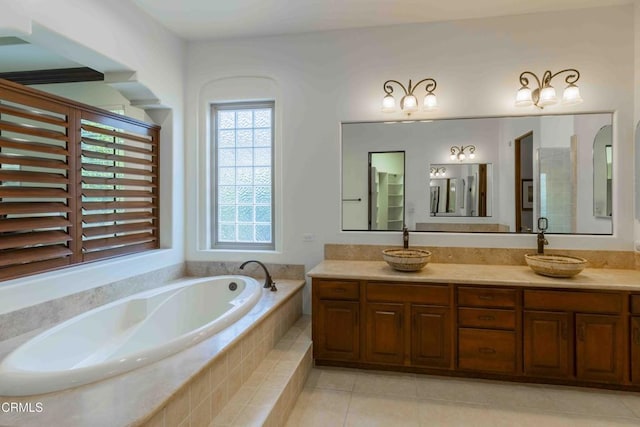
x=340, y=290
x=486, y=297
x=581, y=332
x=486, y=318
x=486, y=350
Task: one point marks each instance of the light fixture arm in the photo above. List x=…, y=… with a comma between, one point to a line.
x=430, y=86
x=572, y=77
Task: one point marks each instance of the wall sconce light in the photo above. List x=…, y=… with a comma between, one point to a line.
x=458, y=153
x=409, y=102
x=545, y=94
x=437, y=171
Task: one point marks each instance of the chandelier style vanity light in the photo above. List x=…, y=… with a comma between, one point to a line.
x=409, y=102
x=460, y=153
x=545, y=94
x=438, y=171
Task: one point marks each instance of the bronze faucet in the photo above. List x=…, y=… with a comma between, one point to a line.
x=542, y=227
x=268, y=282
x=405, y=238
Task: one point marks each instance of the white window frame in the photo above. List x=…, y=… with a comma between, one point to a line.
x=216, y=243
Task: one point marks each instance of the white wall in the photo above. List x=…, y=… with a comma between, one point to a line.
x=111, y=37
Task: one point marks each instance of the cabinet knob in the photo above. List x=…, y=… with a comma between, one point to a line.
x=581, y=332
x=485, y=297
x=486, y=350
x=486, y=317
x=636, y=336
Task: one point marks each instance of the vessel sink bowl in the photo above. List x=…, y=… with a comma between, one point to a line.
x=406, y=259
x=555, y=265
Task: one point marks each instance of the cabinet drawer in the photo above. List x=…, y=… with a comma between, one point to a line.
x=396, y=292
x=486, y=297
x=336, y=289
x=487, y=350
x=486, y=318
x=585, y=302
x=635, y=304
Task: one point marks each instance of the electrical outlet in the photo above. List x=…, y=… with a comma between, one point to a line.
x=308, y=237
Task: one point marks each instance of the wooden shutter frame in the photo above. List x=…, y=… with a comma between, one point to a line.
x=75, y=112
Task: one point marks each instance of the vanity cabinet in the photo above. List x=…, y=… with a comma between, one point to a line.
x=561, y=336
x=408, y=324
x=634, y=339
x=336, y=320
x=487, y=334
x=574, y=334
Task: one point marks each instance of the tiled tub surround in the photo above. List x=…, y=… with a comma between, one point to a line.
x=496, y=256
x=50, y=313
x=217, y=268
x=188, y=388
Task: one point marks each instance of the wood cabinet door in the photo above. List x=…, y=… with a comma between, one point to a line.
x=635, y=350
x=385, y=333
x=337, y=331
x=547, y=344
x=430, y=336
x=599, y=348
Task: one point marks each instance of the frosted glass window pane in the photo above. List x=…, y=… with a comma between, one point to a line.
x=226, y=119
x=227, y=213
x=243, y=161
x=226, y=157
x=244, y=138
x=262, y=176
x=245, y=233
x=262, y=137
x=263, y=213
x=226, y=194
x=262, y=157
x=262, y=118
x=245, y=119
x=263, y=195
x=227, y=232
x=263, y=233
x=245, y=195
x=245, y=213
x=227, y=176
x=244, y=157
x=227, y=139
x=244, y=176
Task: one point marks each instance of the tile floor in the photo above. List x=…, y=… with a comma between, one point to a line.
x=345, y=397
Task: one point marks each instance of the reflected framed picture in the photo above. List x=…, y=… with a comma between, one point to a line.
x=527, y=194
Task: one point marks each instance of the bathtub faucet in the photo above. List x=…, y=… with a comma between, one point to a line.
x=268, y=282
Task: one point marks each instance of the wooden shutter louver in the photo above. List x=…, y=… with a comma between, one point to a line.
x=119, y=188
x=36, y=200
x=77, y=183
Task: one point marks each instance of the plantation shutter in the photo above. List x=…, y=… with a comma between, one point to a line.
x=119, y=187
x=36, y=198
x=77, y=183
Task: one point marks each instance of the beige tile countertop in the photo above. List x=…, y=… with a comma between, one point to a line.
x=512, y=275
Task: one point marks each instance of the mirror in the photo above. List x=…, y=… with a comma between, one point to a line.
x=386, y=190
x=523, y=168
x=602, y=172
x=460, y=190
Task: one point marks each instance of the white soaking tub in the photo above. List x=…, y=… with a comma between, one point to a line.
x=126, y=334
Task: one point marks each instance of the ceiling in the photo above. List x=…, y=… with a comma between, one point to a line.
x=219, y=19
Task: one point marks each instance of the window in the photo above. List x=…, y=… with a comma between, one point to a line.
x=243, y=182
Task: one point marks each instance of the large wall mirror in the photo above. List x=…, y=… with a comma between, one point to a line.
x=512, y=171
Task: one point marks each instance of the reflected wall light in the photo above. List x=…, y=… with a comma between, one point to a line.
x=437, y=171
x=460, y=153
x=409, y=102
x=545, y=94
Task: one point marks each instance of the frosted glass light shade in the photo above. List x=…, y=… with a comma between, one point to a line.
x=523, y=97
x=571, y=95
x=430, y=102
x=388, y=104
x=452, y=156
x=409, y=104
x=547, y=96
x=472, y=155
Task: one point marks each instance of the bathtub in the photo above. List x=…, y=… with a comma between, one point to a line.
x=126, y=334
